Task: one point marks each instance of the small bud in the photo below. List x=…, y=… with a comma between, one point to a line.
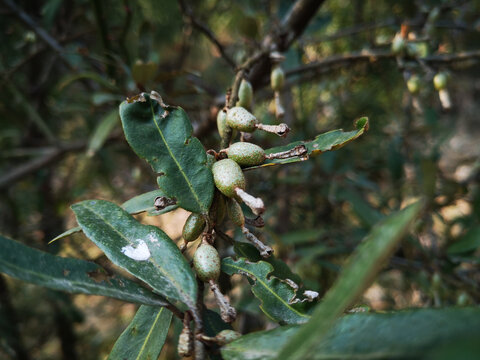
x=193, y=227
x=206, y=262
x=222, y=123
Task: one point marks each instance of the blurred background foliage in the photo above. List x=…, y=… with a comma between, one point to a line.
x=66, y=66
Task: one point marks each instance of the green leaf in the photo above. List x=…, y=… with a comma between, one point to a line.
x=277, y=297
x=404, y=334
x=136, y=205
x=143, y=250
x=144, y=202
x=162, y=135
x=66, y=234
x=281, y=270
x=70, y=275
x=101, y=132
x=143, y=339
x=357, y=275
x=332, y=140
x=469, y=242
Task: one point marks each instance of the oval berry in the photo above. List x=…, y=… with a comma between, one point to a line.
x=193, y=227
x=245, y=94
x=228, y=176
x=206, y=262
x=440, y=81
x=235, y=213
x=277, y=78
x=246, y=154
x=241, y=119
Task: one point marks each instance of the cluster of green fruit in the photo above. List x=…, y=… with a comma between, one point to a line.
x=226, y=166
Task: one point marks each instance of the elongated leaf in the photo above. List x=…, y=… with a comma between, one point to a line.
x=277, y=296
x=469, y=242
x=403, y=334
x=356, y=276
x=136, y=205
x=329, y=141
x=143, y=250
x=162, y=135
x=69, y=79
x=280, y=269
x=143, y=339
x=70, y=275
x=144, y=202
x=102, y=131
x=66, y=233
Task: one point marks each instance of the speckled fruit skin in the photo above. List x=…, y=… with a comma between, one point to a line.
x=206, y=263
x=210, y=160
x=235, y=212
x=227, y=176
x=246, y=154
x=440, y=81
x=227, y=336
x=245, y=94
x=277, y=78
x=193, y=227
x=241, y=119
x=222, y=123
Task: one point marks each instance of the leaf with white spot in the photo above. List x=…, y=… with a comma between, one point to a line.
x=144, y=251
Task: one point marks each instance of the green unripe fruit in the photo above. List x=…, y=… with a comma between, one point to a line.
x=222, y=123
x=277, y=78
x=246, y=154
x=413, y=84
x=193, y=227
x=228, y=176
x=398, y=44
x=218, y=209
x=235, y=213
x=206, y=262
x=440, y=81
x=226, y=336
x=245, y=94
x=241, y=119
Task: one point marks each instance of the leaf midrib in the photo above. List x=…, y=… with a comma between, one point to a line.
x=150, y=260
x=192, y=190
x=149, y=333
x=257, y=279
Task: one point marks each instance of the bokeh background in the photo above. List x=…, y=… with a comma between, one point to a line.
x=66, y=65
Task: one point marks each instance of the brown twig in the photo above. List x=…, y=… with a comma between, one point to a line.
x=42, y=34
x=188, y=12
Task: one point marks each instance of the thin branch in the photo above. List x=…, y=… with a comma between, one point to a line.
x=188, y=12
x=42, y=34
x=338, y=61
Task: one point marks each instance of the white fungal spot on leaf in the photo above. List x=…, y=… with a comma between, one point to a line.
x=140, y=253
x=152, y=237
